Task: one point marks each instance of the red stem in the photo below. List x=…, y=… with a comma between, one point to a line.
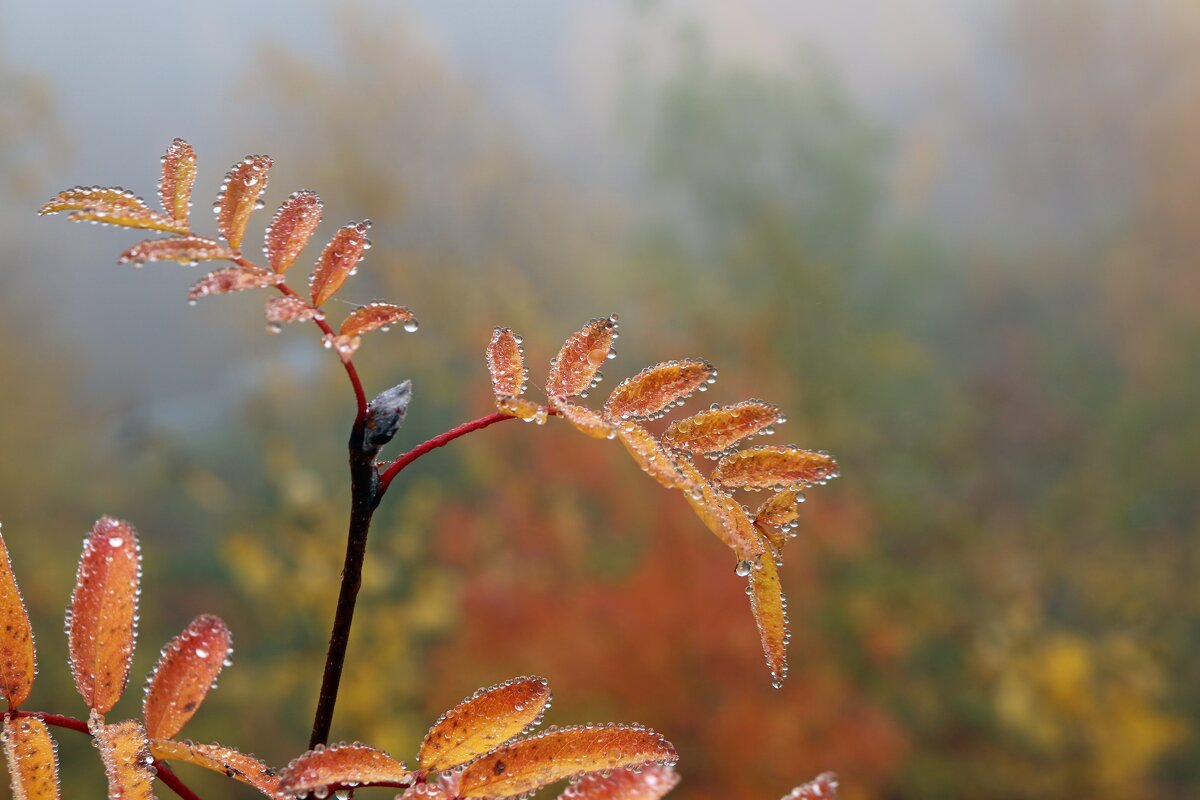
x=360, y=397
x=393, y=469
x=164, y=772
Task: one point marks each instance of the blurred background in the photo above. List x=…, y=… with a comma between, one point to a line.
x=957, y=240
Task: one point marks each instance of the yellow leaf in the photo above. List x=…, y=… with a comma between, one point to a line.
x=506, y=364
x=377, y=317
x=654, y=460
x=238, y=197
x=770, y=614
x=32, y=759
x=484, y=721
x=655, y=389
x=178, y=176
x=774, y=467
x=574, y=370
x=720, y=427
x=720, y=513
x=17, y=657
x=225, y=760
x=127, y=760
x=110, y=206
x=564, y=753
x=584, y=419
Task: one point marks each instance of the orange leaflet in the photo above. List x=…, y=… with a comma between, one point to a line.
x=584, y=419
x=522, y=407
x=377, y=317
x=184, y=249
x=281, y=310
x=770, y=614
x=339, y=260
x=32, y=759
x=291, y=228
x=178, y=176
x=650, y=783
x=238, y=197
x=101, y=622
x=774, y=467
x=822, y=787
x=655, y=389
x=720, y=427
x=234, y=279
x=654, y=460
x=577, y=365
x=110, y=206
x=484, y=721
x=782, y=508
x=337, y=765
x=722, y=515
x=17, y=659
x=127, y=760
x=186, y=670
x=564, y=753
x=225, y=760
x=506, y=363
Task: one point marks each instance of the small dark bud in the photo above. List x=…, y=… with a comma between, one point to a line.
x=385, y=415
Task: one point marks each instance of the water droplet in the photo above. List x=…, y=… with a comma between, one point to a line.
x=743, y=568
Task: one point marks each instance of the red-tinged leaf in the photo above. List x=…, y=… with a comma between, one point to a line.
x=282, y=310
x=101, y=622
x=340, y=765
x=655, y=389
x=234, y=279
x=651, y=456
x=184, y=249
x=770, y=614
x=291, y=228
x=110, y=206
x=127, y=760
x=186, y=670
x=721, y=514
x=506, y=363
x=781, y=509
x=822, y=787
x=721, y=427
x=650, y=783
x=774, y=467
x=32, y=759
x=238, y=197
x=585, y=419
x=522, y=407
x=561, y=754
x=339, y=260
x=17, y=658
x=178, y=176
x=484, y=721
x=225, y=760
x=576, y=367
x=377, y=317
